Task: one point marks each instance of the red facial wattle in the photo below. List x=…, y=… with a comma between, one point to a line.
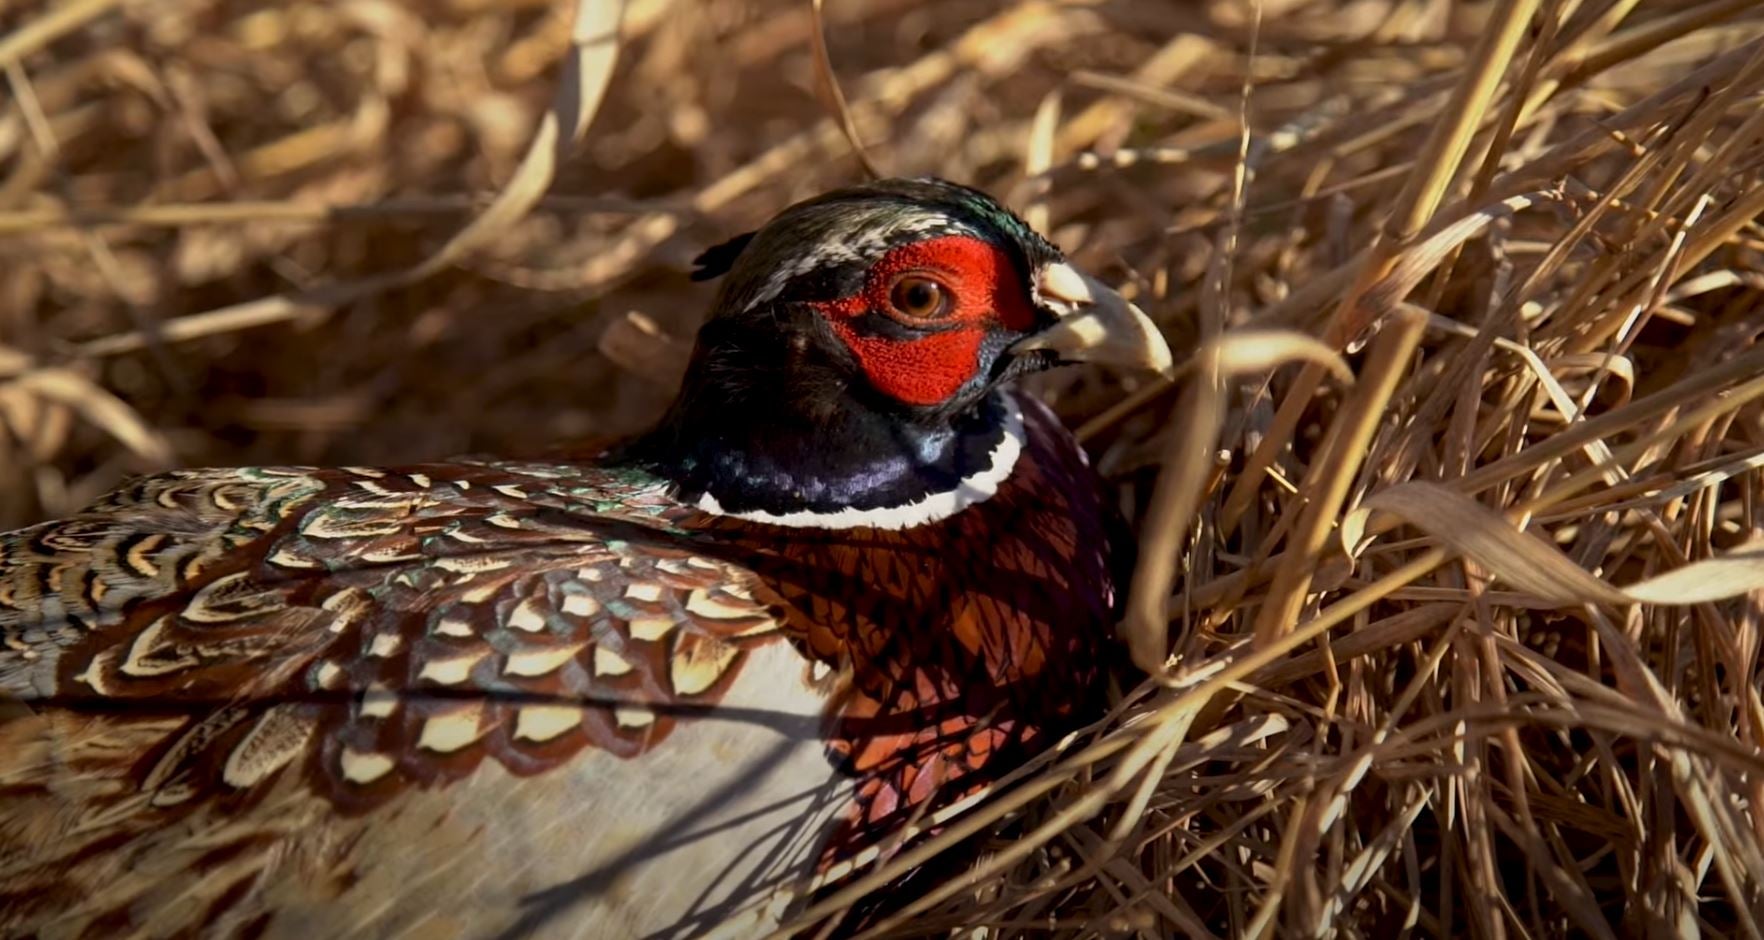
x=985, y=291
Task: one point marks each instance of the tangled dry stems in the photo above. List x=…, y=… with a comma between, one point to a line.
x=1466, y=645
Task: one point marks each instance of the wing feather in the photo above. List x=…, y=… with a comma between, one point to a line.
x=217, y=642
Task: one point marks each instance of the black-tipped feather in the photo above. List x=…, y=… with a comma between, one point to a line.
x=716, y=260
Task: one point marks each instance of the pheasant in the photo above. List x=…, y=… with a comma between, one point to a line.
x=671, y=690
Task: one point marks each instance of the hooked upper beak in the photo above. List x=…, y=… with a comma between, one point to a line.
x=1096, y=324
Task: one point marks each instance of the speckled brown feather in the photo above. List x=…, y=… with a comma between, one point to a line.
x=230, y=690
x=997, y=647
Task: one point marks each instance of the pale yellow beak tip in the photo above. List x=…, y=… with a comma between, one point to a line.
x=1101, y=325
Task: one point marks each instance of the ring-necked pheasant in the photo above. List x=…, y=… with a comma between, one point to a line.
x=662, y=693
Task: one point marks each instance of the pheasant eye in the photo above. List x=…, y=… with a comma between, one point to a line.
x=918, y=297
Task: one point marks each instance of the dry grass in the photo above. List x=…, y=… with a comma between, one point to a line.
x=1466, y=646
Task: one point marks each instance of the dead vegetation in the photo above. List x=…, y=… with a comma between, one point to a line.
x=1466, y=645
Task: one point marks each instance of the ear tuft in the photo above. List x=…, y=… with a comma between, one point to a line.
x=718, y=259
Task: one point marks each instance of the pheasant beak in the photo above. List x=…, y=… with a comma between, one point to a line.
x=1095, y=324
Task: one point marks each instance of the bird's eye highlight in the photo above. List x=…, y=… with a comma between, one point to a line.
x=917, y=297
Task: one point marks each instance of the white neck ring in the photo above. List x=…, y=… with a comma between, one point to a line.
x=933, y=507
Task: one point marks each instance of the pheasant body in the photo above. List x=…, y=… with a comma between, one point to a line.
x=637, y=696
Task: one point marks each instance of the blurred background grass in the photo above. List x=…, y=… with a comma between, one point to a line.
x=236, y=150
x=360, y=134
